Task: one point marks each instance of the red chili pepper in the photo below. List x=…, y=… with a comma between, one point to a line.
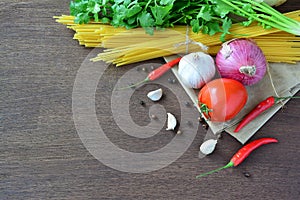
x=242, y=154
x=155, y=74
x=261, y=107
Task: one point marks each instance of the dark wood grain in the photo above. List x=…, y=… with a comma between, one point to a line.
x=42, y=156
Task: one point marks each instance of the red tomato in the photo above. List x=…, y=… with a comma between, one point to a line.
x=222, y=99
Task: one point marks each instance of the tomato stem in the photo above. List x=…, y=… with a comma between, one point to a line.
x=204, y=109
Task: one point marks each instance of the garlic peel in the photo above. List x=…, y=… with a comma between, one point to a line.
x=155, y=95
x=171, y=122
x=208, y=146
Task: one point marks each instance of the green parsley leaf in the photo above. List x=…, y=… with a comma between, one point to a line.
x=133, y=11
x=160, y=13
x=227, y=23
x=208, y=16
x=195, y=25
x=166, y=2
x=221, y=8
x=214, y=28
x=146, y=21
x=205, y=13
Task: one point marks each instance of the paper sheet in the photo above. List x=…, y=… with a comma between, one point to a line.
x=286, y=81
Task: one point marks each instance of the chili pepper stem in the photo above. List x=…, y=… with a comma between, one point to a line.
x=136, y=84
x=230, y=164
x=278, y=99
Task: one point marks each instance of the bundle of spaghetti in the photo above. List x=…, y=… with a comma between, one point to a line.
x=91, y=34
x=128, y=46
x=277, y=47
x=285, y=49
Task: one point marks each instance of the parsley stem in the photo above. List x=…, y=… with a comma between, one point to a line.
x=265, y=8
x=148, y=3
x=294, y=28
x=177, y=20
x=273, y=19
x=279, y=16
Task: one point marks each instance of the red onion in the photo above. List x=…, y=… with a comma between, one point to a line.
x=242, y=60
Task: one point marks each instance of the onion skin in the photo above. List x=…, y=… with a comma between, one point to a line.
x=242, y=60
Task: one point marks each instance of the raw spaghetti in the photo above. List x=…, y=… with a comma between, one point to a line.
x=128, y=46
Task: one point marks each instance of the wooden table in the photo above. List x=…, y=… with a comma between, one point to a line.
x=43, y=157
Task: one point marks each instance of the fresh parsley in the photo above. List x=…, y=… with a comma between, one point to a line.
x=206, y=16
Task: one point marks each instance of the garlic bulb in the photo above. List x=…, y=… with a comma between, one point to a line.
x=172, y=122
x=155, y=95
x=196, y=69
x=208, y=146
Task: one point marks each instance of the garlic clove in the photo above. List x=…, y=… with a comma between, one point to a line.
x=208, y=146
x=172, y=122
x=155, y=95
